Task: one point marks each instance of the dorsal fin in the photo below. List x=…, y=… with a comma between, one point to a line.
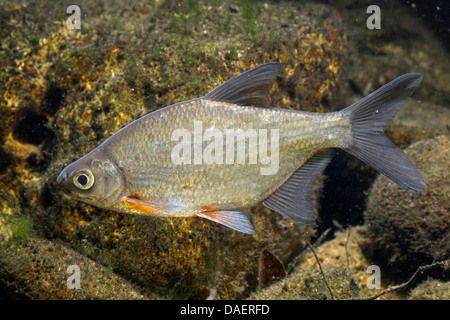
x=293, y=198
x=249, y=88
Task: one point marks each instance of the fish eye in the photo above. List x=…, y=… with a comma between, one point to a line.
x=83, y=179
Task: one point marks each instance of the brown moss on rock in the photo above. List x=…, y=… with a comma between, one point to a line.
x=403, y=44
x=431, y=290
x=37, y=269
x=410, y=230
x=310, y=285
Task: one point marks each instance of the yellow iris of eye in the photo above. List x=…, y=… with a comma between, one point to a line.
x=83, y=179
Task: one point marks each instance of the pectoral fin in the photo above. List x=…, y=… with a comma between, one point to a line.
x=150, y=207
x=236, y=220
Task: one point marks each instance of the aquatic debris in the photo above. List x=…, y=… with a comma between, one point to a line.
x=271, y=269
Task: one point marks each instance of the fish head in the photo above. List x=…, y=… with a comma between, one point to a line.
x=94, y=179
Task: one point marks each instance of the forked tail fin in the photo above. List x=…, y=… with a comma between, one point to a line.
x=369, y=118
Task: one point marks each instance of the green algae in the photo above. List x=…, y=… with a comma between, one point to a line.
x=14, y=225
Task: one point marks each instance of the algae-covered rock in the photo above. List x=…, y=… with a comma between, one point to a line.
x=310, y=285
x=431, y=290
x=345, y=262
x=40, y=269
x=418, y=120
x=346, y=252
x=403, y=44
x=410, y=230
x=349, y=268
x=67, y=90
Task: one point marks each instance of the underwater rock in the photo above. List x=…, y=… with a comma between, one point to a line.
x=431, y=290
x=39, y=269
x=409, y=230
x=310, y=285
x=75, y=88
x=349, y=267
x=418, y=120
x=344, y=252
x=404, y=44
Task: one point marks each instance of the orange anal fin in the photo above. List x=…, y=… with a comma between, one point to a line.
x=236, y=220
x=139, y=203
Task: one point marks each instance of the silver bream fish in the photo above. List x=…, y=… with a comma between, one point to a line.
x=216, y=155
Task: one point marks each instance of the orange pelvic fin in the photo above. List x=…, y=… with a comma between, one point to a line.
x=236, y=220
x=136, y=202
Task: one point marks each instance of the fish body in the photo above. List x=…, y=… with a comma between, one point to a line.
x=216, y=155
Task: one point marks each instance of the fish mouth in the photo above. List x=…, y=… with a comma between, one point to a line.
x=61, y=180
